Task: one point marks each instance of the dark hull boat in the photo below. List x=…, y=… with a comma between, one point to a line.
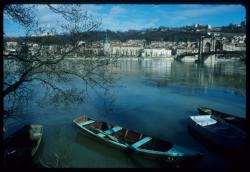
x=20, y=147
x=231, y=119
x=217, y=134
x=138, y=143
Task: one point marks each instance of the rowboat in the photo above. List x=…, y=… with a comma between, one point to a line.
x=216, y=133
x=231, y=119
x=134, y=142
x=21, y=146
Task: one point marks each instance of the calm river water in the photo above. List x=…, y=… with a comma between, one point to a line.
x=154, y=97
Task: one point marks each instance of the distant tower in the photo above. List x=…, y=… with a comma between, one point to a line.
x=106, y=46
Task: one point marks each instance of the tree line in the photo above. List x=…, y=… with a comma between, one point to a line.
x=92, y=36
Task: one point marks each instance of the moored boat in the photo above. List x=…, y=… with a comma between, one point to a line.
x=231, y=119
x=21, y=146
x=134, y=142
x=219, y=134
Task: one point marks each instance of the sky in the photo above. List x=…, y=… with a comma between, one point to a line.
x=123, y=17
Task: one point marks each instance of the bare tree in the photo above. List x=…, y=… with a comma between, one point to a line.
x=20, y=14
x=44, y=63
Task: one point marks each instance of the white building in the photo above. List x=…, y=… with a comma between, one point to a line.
x=125, y=50
x=179, y=51
x=156, y=52
x=137, y=42
x=11, y=44
x=106, y=47
x=234, y=47
x=81, y=43
x=9, y=51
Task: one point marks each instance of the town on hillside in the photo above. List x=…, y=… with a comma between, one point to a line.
x=151, y=45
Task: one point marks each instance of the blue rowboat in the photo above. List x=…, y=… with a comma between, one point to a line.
x=217, y=134
x=138, y=143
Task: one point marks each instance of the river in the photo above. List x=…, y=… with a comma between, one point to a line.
x=154, y=97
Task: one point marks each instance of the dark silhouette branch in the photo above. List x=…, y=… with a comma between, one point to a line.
x=45, y=63
x=20, y=14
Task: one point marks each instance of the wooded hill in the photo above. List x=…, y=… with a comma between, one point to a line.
x=154, y=35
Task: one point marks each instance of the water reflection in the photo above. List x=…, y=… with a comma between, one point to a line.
x=161, y=72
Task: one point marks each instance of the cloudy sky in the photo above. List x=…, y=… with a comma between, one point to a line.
x=121, y=17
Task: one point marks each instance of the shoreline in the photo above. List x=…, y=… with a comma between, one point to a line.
x=188, y=60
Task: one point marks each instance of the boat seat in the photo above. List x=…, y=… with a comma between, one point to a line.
x=113, y=130
x=230, y=118
x=204, y=120
x=141, y=142
x=109, y=131
x=86, y=123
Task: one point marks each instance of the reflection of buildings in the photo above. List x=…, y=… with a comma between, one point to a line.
x=204, y=76
x=189, y=74
x=164, y=72
x=156, y=66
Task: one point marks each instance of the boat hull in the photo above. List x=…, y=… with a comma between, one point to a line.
x=204, y=111
x=231, y=119
x=93, y=136
x=220, y=136
x=20, y=147
x=155, y=155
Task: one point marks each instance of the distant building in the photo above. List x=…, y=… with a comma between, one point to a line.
x=234, y=47
x=125, y=49
x=156, y=52
x=183, y=50
x=95, y=49
x=137, y=42
x=81, y=43
x=9, y=51
x=106, y=45
x=157, y=44
x=11, y=44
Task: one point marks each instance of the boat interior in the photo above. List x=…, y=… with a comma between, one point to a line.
x=139, y=140
x=123, y=135
x=226, y=130
x=237, y=121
